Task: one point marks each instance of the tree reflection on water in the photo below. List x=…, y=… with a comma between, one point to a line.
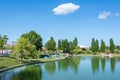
x=95, y=61
x=72, y=63
x=29, y=73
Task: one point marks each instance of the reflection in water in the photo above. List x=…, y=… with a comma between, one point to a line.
x=74, y=68
x=50, y=67
x=72, y=63
x=112, y=62
x=103, y=63
x=29, y=73
x=95, y=64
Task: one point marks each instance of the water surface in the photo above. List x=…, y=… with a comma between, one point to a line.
x=74, y=68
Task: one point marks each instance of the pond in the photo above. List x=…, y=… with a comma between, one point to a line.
x=74, y=68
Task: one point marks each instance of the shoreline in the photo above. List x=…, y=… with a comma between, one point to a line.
x=29, y=63
x=36, y=61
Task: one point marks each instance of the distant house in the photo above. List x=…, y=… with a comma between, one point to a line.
x=5, y=52
x=83, y=47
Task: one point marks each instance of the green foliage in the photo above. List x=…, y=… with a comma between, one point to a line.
x=117, y=51
x=65, y=45
x=71, y=46
x=77, y=50
x=97, y=45
x=75, y=42
x=5, y=38
x=1, y=44
x=117, y=47
x=107, y=51
x=51, y=44
x=107, y=47
x=24, y=48
x=34, y=38
x=3, y=41
x=94, y=45
x=102, y=46
x=59, y=44
x=112, y=45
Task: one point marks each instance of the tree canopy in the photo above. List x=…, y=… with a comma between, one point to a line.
x=75, y=42
x=1, y=44
x=51, y=44
x=24, y=48
x=34, y=38
x=3, y=41
x=59, y=44
x=102, y=46
x=112, y=45
x=94, y=45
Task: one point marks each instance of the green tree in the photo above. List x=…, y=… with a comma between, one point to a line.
x=71, y=46
x=77, y=50
x=97, y=45
x=112, y=45
x=34, y=38
x=3, y=42
x=24, y=48
x=102, y=46
x=93, y=45
x=65, y=46
x=75, y=42
x=59, y=44
x=1, y=45
x=118, y=47
x=5, y=39
x=51, y=44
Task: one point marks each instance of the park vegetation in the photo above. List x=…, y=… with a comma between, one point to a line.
x=30, y=46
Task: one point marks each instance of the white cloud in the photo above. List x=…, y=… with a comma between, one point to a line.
x=104, y=15
x=65, y=9
x=117, y=14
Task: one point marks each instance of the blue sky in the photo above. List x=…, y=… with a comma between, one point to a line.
x=62, y=19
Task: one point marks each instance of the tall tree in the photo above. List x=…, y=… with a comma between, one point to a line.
x=51, y=44
x=102, y=46
x=59, y=44
x=1, y=45
x=34, y=38
x=75, y=42
x=71, y=46
x=3, y=42
x=24, y=48
x=65, y=45
x=5, y=39
x=112, y=45
x=93, y=45
x=97, y=45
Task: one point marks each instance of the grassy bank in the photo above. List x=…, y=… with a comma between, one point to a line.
x=7, y=62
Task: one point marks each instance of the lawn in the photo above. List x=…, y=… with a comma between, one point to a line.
x=7, y=62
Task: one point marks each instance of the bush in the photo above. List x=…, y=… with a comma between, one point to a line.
x=117, y=51
x=107, y=51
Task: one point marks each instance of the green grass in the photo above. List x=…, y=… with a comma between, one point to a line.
x=7, y=62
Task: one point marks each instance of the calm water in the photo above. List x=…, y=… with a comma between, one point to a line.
x=74, y=68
